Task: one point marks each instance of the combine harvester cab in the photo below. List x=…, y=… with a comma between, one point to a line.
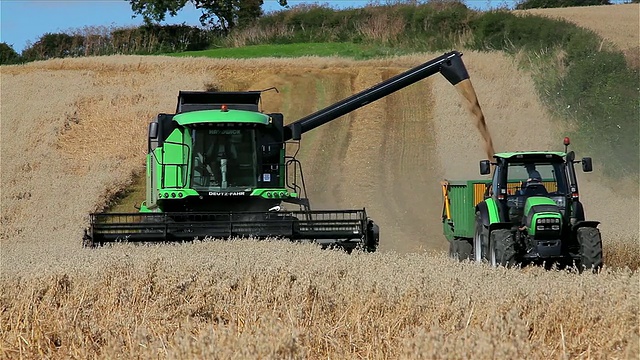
x=218, y=168
x=529, y=212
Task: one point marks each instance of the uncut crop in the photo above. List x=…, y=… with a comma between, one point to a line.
x=240, y=299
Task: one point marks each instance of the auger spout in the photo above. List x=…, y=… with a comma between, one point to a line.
x=449, y=64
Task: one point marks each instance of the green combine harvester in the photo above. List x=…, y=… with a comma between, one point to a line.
x=219, y=168
x=529, y=212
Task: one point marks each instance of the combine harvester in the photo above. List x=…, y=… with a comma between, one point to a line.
x=218, y=168
x=529, y=212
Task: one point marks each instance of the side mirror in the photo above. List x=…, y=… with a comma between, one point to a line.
x=485, y=167
x=587, y=165
x=153, y=130
x=296, y=132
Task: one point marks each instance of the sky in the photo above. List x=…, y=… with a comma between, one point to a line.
x=23, y=21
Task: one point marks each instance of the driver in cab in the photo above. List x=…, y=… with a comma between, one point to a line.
x=533, y=185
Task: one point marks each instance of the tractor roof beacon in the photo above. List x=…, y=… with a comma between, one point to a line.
x=218, y=167
x=529, y=212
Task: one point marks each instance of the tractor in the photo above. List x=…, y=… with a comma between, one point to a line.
x=219, y=167
x=529, y=212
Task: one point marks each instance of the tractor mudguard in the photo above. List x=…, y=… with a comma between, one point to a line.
x=500, y=225
x=484, y=213
x=488, y=212
x=585, y=223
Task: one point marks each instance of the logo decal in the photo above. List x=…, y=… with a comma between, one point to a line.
x=224, y=132
x=227, y=193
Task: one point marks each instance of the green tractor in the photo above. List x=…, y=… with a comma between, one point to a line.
x=219, y=167
x=529, y=212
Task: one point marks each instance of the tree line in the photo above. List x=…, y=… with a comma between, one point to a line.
x=218, y=18
x=95, y=41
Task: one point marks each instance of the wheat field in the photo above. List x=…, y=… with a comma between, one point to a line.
x=616, y=23
x=73, y=134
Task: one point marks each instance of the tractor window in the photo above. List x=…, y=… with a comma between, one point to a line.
x=550, y=175
x=224, y=159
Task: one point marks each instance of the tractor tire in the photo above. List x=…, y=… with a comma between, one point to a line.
x=590, y=249
x=460, y=249
x=502, y=248
x=480, y=237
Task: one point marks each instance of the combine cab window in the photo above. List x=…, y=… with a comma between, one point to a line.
x=224, y=159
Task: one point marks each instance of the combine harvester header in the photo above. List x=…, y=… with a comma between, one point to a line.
x=218, y=168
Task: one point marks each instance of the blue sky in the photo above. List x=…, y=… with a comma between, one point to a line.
x=24, y=21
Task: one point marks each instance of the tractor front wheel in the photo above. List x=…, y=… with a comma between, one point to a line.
x=590, y=249
x=502, y=248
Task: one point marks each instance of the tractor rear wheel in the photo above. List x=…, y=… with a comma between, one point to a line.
x=590, y=249
x=460, y=249
x=502, y=248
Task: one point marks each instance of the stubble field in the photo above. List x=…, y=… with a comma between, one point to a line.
x=73, y=134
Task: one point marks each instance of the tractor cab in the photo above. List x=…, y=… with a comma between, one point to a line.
x=524, y=178
x=525, y=174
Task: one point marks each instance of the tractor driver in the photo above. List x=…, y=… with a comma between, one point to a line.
x=533, y=185
x=534, y=175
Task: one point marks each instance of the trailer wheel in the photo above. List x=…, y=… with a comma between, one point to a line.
x=480, y=237
x=502, y=248
x=460, y=249
x=590, y=249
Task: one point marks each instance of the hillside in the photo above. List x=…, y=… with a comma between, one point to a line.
x=615, y=23
x=73, y=134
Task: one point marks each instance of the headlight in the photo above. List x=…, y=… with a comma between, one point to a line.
x=548, y=221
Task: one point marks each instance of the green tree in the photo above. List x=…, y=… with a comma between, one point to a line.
x=55, y=45
x=8, y=55
x=532, y=4
x=224, y=14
